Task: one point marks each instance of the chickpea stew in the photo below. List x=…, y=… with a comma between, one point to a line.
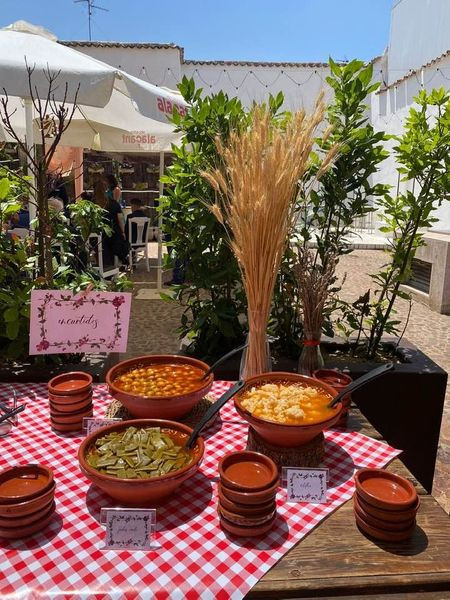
x=288, y=403
x=160, y=380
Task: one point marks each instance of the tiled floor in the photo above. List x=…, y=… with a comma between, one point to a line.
x=154, y=322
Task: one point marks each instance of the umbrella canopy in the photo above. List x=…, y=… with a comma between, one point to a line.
x=94, y=80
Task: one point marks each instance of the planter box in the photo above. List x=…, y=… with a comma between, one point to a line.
x=405, y=405
x=95, y=364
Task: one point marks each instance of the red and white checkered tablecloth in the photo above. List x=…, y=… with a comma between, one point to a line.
x=196, y=559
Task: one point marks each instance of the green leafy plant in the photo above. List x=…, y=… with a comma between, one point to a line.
x=89, y=218
x=423, y=159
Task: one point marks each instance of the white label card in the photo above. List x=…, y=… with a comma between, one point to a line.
x=130, y=528
x=91, y=424
x=306, y=485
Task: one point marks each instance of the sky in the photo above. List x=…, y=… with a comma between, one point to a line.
x=259, y=30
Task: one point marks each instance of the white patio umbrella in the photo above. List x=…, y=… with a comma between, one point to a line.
x=88, y=80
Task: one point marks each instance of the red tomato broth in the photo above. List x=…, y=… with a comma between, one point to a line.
x=160, y=380
x=248, y=473
x=315, y=409
x=385, y=489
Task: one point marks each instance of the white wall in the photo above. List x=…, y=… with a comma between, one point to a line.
x=420, y=32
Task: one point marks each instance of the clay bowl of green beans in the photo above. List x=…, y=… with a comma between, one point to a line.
x=140, y=462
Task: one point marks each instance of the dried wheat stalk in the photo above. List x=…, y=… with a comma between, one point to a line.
x=256, y=188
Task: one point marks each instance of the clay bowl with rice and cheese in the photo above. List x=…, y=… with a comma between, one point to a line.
x=287, y=409
x=159, y=386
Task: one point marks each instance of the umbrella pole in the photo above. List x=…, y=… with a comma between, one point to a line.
x=160, y=225
x=28, y=103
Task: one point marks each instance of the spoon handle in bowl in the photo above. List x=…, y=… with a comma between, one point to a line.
x=222, y=359
x=212, y=410
x=360, y=382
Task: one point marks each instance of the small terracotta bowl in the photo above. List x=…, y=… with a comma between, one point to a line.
x=67, y=427
x=379, y=523
x=70, y=408
x=24, y=482
x=242, y=531
x=20, y=509
x=142, y=492
x=70, y=384
x=158, y=407
x=260, y=497
x=13, y=533
x=382, y=534
x=281, y=434
x=27, y=519
x=338, y=381
x=245, y=521
x=247, y=471
x=72, y=399
x=245, y=509
x=391, y=516
x=66, y=418
x=385, y=490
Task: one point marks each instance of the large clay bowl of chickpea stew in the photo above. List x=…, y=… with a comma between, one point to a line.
x=287, y=409
x=160, y=386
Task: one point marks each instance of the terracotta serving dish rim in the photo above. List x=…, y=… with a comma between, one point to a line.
x=398, y=525
x=332, y=372
x=279, y=376
x=71, y=417
x=68, y=400
x=238, y=519
x=254, y=497
x=66, y=377
x=30, y=518
x=381, y=534
x=376, y=501
x=244, y=530
x=134, y=361
x=89, y=440
x=69, y=408
x=386, y=514
x=251, y=456
x=27, y=530
x=8, y=500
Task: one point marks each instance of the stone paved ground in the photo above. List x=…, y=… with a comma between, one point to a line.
x=153, y=325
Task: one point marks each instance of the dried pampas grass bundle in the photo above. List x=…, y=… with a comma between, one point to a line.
x=256, y=187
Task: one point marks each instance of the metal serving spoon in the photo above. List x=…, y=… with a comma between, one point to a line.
x=212, y=410
x=221, y=359
x=360, y=382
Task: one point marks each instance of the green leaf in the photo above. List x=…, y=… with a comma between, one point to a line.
x=11, y=314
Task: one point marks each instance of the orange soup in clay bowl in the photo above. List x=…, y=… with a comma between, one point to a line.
x=287, y=409
x=160, y=386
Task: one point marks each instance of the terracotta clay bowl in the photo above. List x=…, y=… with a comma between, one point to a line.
x=245, y=509
x=260, y=497
x=247, y=471
x=66, y=418
x=245, y=521
x=70, y=400
x=391, y=516
x=400, y=525
x=28, y=519
x=21, y=509
x=13, y=533
x=24, y=482
x=71, y=408
x=70, y=384
x=281, y=434
x=67, y=427
x=385, y=490
x=242, y=531
x=142, y=492
x=382, y=534
x=159, y=407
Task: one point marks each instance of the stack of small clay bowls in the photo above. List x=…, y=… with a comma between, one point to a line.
x=247, y=490
x=385, y=505
x=70, y=398
x=26, y=500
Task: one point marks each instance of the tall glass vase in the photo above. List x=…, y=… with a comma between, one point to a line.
x=256, y=357
x=311, y=357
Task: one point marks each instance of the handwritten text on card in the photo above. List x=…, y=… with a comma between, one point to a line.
x=306, y=485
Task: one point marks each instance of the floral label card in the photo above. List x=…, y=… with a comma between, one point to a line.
x=305, y=485
x=129, y=528
x=63, y=322
x=91, y=424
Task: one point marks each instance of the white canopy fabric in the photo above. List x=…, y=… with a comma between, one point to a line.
x=94, y=80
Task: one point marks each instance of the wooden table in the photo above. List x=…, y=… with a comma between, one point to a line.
x=337, y=560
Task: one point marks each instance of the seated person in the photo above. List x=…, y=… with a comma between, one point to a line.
x=136, y=211
x=55, y=203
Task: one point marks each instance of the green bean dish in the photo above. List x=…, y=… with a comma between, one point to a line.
x=138, y=453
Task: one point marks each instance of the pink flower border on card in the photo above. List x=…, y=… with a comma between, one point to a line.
x=93, y=343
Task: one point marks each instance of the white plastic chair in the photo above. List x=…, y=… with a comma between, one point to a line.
x=94, y=249
x=142, y=229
